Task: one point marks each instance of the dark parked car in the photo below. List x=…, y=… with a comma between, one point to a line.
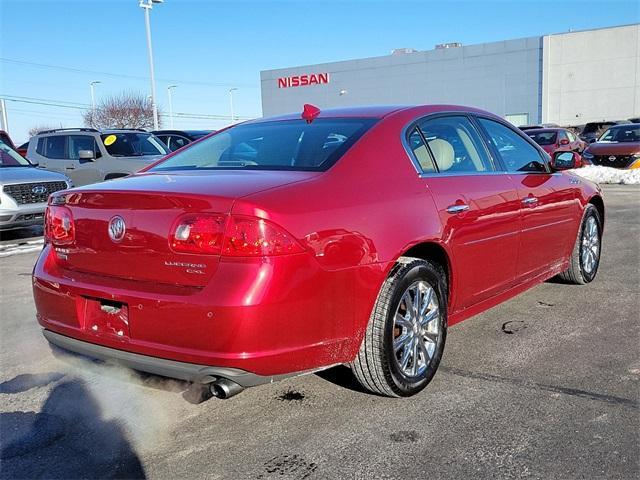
x=618, y=147
x=288, y=245
x=175, y=139
x=593, y=130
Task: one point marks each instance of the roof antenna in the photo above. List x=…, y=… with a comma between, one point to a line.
x=310, y=112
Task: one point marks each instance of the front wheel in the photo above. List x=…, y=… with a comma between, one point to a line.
x=585, y=257
x=405, y=337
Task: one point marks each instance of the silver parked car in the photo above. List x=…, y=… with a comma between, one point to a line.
x=24, y=189
x=89, y=156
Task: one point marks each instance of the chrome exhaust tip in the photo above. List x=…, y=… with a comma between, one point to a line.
x=224, y=388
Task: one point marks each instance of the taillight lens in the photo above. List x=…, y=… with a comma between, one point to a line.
x=234, y=236
x=59, y=227
x=256, y=237
x=198, y=233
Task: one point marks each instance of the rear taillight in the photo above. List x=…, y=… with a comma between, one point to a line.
x=234, y=236
x=59, y=228
x=198, y=233
x=256, y=237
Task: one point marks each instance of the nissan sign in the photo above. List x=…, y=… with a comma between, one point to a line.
x=303, y=80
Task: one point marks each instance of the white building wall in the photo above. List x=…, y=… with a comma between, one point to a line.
x=502, y=77
x=591, y=75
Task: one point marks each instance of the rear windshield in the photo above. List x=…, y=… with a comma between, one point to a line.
x=132, y=144
x=278, y=145
x=10, y=158
x=629, y=133
x=543, y=138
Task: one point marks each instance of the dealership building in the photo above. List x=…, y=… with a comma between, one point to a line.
x=566, y=78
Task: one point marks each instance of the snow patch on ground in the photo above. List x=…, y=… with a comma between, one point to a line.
x=599, y=174
x=9, y=249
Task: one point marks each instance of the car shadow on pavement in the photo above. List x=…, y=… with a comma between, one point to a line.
x=342, y=376
x=68, y=438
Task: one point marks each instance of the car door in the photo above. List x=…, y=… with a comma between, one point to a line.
x=477, y=204
x=84, y=171
x=549, y=205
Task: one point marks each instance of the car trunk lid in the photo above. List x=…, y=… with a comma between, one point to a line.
x=150, y=204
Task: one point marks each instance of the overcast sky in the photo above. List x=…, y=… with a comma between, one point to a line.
x=51, y=50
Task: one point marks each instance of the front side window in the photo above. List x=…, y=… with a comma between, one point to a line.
x=517, y=154
x=55, y=147
x=82, y=142
x=176, y=142
x=132, y=144
x=621, y=134
x=277, y=145
x=455, y=145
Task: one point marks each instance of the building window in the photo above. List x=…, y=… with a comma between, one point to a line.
x=517, y=119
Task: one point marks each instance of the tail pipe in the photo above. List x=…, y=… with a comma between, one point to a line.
x=223, y=388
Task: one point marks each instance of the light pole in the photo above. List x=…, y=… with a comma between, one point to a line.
x=231, y=90
x=147, y=5
x=169, y=88
x=93, y=95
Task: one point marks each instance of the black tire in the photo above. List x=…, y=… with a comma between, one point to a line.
x=576, y=273
x=376, y=367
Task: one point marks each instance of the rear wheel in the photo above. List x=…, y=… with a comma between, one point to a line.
x=585, y=257
x=405, y=337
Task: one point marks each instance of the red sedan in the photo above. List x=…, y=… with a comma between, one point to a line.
x=554, y=140
x=288, y=245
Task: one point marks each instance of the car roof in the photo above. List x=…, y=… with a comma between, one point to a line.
x=376, y=111
x=624, y=125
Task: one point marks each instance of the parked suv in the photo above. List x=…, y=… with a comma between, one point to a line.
x=24, y=189
x=89, y=156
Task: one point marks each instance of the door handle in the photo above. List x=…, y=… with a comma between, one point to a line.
x=458, y=208
x=71, y=168
x=530, y=200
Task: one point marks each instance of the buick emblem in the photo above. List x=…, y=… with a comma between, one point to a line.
x=39, y=190
x=117, y=228
x=612, y=158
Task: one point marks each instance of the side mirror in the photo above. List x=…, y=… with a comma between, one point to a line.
x=565, y=160
x=87, y=155
x=564, y=141
x=592, y=140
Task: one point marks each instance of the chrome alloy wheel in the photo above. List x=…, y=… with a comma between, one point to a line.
x=590, y=253
x=416, y=328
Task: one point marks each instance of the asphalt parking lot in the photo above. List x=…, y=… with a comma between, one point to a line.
x=543, y=386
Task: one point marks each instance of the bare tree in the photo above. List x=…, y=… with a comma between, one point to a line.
x=127, y=110
x=39, y=128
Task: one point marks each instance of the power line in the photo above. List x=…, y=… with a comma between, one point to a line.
x=122, y=75
x=82, y=106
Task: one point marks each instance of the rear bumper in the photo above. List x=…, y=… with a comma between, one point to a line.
x=158, y=366
x=269, y=317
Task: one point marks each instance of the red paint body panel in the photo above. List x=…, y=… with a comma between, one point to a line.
x=295, y=312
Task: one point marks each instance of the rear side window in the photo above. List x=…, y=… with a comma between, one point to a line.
x=517, y=154
x=455, y=145
x=277, y=145
x=55, y=146
x=419, y=149
x=40, y=146
x=176, y=142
